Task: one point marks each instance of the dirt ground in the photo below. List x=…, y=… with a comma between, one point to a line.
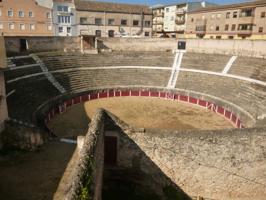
x=36, y=175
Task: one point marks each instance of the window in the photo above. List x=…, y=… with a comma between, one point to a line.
x=226, y=28
x=11, y=26
x=83, y=20
x=233, y=27
x=10, y=13
x=218, y=37
x=230, y=37
x=67, y=19
x=246, y=12
x=245, y=27
x=22, y=26
x=20, y=13
x=147, y=23
x=123, y=22
x=147, y=34
x=98, y=33
x=49, y=27
x=235, y=14
x=32, y=26
x=217, y=28
x=135, y=22
x=68, y=29
x=30, y=14
x=64, y=19
x=227, y=15
x=260, y=29
x=48, y=15
x=166, y=9
x=62, y=8
x=262, y=15
x=98, y=21
x=111, y=21
x=60, y=29
x=1, y=26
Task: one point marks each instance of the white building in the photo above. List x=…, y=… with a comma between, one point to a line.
x=64, y=18
x=175, y=16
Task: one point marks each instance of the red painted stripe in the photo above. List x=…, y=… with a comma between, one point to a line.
x=144, y=93
x=117, y=93
x=227, y=114
x=193, y=100
x=103, y=95
x=183, y=98
x=162, y=94
x=220, y=110
x=154, y=94
x=84, y=98
x=76, y=100
x=94, y=96
x=202, y=103
x=134, y=93
x=233, y=119
x=111, y=94
x=125, y=93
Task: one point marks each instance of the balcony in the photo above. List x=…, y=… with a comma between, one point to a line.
x=244, y=32
x=180, y=11
x=180, y=21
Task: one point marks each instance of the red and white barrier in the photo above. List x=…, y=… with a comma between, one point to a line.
x=165, y=95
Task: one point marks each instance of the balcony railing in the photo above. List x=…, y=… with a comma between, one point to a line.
x=179, y=22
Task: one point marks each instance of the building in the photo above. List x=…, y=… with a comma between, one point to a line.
x=45, y=3
x=157, y=20
x=25, y=18
x=236, y=21
x=104, y=19
x=175, y=17
x=64, y=18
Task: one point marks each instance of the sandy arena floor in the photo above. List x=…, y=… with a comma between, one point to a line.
x=36, y=175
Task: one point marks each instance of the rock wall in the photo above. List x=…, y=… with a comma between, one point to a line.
x=226, y=164
x=16, y=136
x=251, y=48
x=42, y=44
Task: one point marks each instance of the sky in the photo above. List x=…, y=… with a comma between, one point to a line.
x=166, y=2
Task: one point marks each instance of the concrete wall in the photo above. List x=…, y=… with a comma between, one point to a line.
x=42, y=44
x=251, y=48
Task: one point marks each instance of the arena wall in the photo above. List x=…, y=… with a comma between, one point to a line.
x=252, y=48
x=43, y=44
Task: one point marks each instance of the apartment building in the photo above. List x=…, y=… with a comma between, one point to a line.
x=157, y=21
x=104, y=19
x=235, y=21
x=64, y=18
x=175, y=17
x=25, y=18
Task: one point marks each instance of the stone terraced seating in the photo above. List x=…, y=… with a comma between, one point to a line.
x=29, y=94
x=251, y=97
x=23, y=61
x=250, y=67
x=55, y=61
x=208, y=62
x=15, y=73
x=104, y=78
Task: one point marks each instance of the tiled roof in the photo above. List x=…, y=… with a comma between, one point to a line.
x=111, y=7
x=232, y=6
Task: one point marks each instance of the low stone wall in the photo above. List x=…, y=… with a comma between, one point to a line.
x=17, y=136
x=42, y=44
x=251, y=48
x=87, y=177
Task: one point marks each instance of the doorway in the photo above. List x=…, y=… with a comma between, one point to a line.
x=110, y=150
x=23, y=45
